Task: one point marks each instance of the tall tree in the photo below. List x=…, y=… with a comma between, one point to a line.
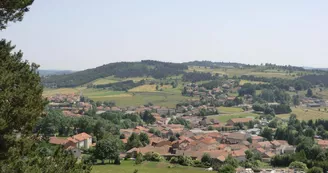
x=21, y=102
x=13, y=11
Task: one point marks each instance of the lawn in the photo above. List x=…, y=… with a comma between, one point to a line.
x=146, y=167
x=306, y=114
x=224, y=118
x=229, y=110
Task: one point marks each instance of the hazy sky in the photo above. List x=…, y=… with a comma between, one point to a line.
x=79, y=34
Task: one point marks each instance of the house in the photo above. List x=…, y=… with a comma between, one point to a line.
x=161, y=143
x=163, y=111
x=257, y=139
x=234, y=121
x=82, y=140
x=163, y=151
x=287, y=150
x=239, y=155
x=323, y=143
x=234, y=138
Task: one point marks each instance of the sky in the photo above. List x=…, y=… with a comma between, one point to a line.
x=81, y=34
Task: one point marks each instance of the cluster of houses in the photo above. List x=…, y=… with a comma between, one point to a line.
x=70, y=104
x=195, y=142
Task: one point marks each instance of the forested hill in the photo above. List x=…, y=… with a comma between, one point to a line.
x=317, y=79
x=213, y=64
x=155, y=69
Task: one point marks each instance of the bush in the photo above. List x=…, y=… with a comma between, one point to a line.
x=227, y=169
x=152, y=156
x=186, y=161
x=298, y=165
x=174, y=160
x=315, y=170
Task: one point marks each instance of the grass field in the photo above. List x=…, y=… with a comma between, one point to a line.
x=51, y=92
x=229, y=110
x=225, y=117
x=306, y=114
x=146, y=167
x=149, y=88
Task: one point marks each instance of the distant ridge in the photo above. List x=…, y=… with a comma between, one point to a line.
x=54, y=72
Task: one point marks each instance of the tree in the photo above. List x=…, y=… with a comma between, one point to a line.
x=231, y=161
x=227, y=169
x=144, y=139
x=139, y=159
x=309, y=93
x=267, y=133
x=296, y=100
x=206, y=159
x=108, y=148
x=315, y=170
x=133, y=141
x=21, y=105
x=13, y=11
x=158, y=133
x=21, y=102
x=298, y=165
x=172, y=138
x=148, y=118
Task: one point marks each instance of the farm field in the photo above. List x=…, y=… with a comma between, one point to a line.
x=137, y=96
x=229, y=110
x=149, y=88
x=225, y=117
x=146, y=167
x=306, y=114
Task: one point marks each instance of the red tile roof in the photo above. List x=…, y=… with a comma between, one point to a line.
x=57, y=141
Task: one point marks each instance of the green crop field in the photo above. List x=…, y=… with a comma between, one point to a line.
x=146, y=167
x=225, y=117
x=307, y=114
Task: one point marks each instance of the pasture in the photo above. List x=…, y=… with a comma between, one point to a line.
x=229, y=110
x=146, y=167
x=306, y=114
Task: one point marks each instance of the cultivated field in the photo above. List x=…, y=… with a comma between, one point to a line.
x=146, y=167
x=307, y=113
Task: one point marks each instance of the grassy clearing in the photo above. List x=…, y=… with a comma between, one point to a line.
x=112, y=79
x=225, y=118
x=149, y=88
x=146, y=167
x=229, y=110
x=306, y=114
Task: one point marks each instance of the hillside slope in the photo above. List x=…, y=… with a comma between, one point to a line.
x=155, y=69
